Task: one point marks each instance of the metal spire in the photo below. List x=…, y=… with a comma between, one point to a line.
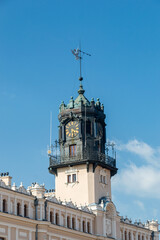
x=78, y=55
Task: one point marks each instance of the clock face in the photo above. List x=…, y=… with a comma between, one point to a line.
x=72, y=129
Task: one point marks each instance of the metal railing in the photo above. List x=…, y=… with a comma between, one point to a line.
x=94, y=156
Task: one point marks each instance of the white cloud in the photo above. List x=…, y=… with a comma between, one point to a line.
x=144, y=180
x=143, y=150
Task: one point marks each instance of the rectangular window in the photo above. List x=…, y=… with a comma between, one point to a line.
x=104, y=180
x=74, y=178
x=69, y=178
x=101, y=178
x=72, y=150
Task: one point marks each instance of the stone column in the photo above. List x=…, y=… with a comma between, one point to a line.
x=15, y=206
x=1, y=202
x=66, y=220
x=91, y=227
x=17, y=234
x=113, y=228
x=40, y=211
x=9, y=205
x=9, y=233
x=81, y=228
x=127, y=234
x=22, y=212
x=86, y=225
x=30, y=235
x=132, y=238
x=29, y=210
x=123, y=234
x=60, y=218
x=48, y=218
x=54, y=216
x=71, y=221
x=76, y=223
x=104, y=225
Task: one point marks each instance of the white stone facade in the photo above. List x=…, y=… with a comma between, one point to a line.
x=33, y=214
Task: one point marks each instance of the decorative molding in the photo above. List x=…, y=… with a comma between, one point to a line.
x=2, y=230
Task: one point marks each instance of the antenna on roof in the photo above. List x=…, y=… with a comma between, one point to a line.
x=50, y=128
x=50, y=150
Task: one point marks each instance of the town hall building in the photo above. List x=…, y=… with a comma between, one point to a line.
x=81, y=206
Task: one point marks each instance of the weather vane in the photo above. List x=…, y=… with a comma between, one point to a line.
x=78, y=55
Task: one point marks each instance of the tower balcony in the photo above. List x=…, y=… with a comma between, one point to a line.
x=94, y=157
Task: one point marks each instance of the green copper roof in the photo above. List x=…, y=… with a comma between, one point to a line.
x=81, y=100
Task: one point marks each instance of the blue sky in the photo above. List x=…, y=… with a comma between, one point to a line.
x=38, y=71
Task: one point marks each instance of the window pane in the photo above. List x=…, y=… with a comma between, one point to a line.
x=74, y=178
x=69, y=178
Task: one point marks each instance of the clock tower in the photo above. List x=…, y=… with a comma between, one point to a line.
x=82, y=170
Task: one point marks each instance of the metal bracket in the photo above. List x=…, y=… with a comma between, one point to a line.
x=87, y=165
x=94, y=166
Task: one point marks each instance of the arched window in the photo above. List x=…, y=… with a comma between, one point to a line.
x=88, y=227
x=57, y=219
x=125, y=235
x=68, y=222
x=73, y=223
x=83, y=226
x=4, y=205
x=88, y=127
x=25, y=210
x=51, y=217
x=18, y=209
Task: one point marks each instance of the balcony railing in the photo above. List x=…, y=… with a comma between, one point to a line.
x=94, y=156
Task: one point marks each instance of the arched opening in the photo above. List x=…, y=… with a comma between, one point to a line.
x=139, y=237
x=83, y=226
x=18, y=209
x=125, y=234
x=68, y=222
x=25, y=210
x=57, y=219
x=142, y=237
x=88, y=227
x=88, y=127
x=51, y=217
x=73, y=223
x=110, y=220
x=129, y=236
x=4, y=205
